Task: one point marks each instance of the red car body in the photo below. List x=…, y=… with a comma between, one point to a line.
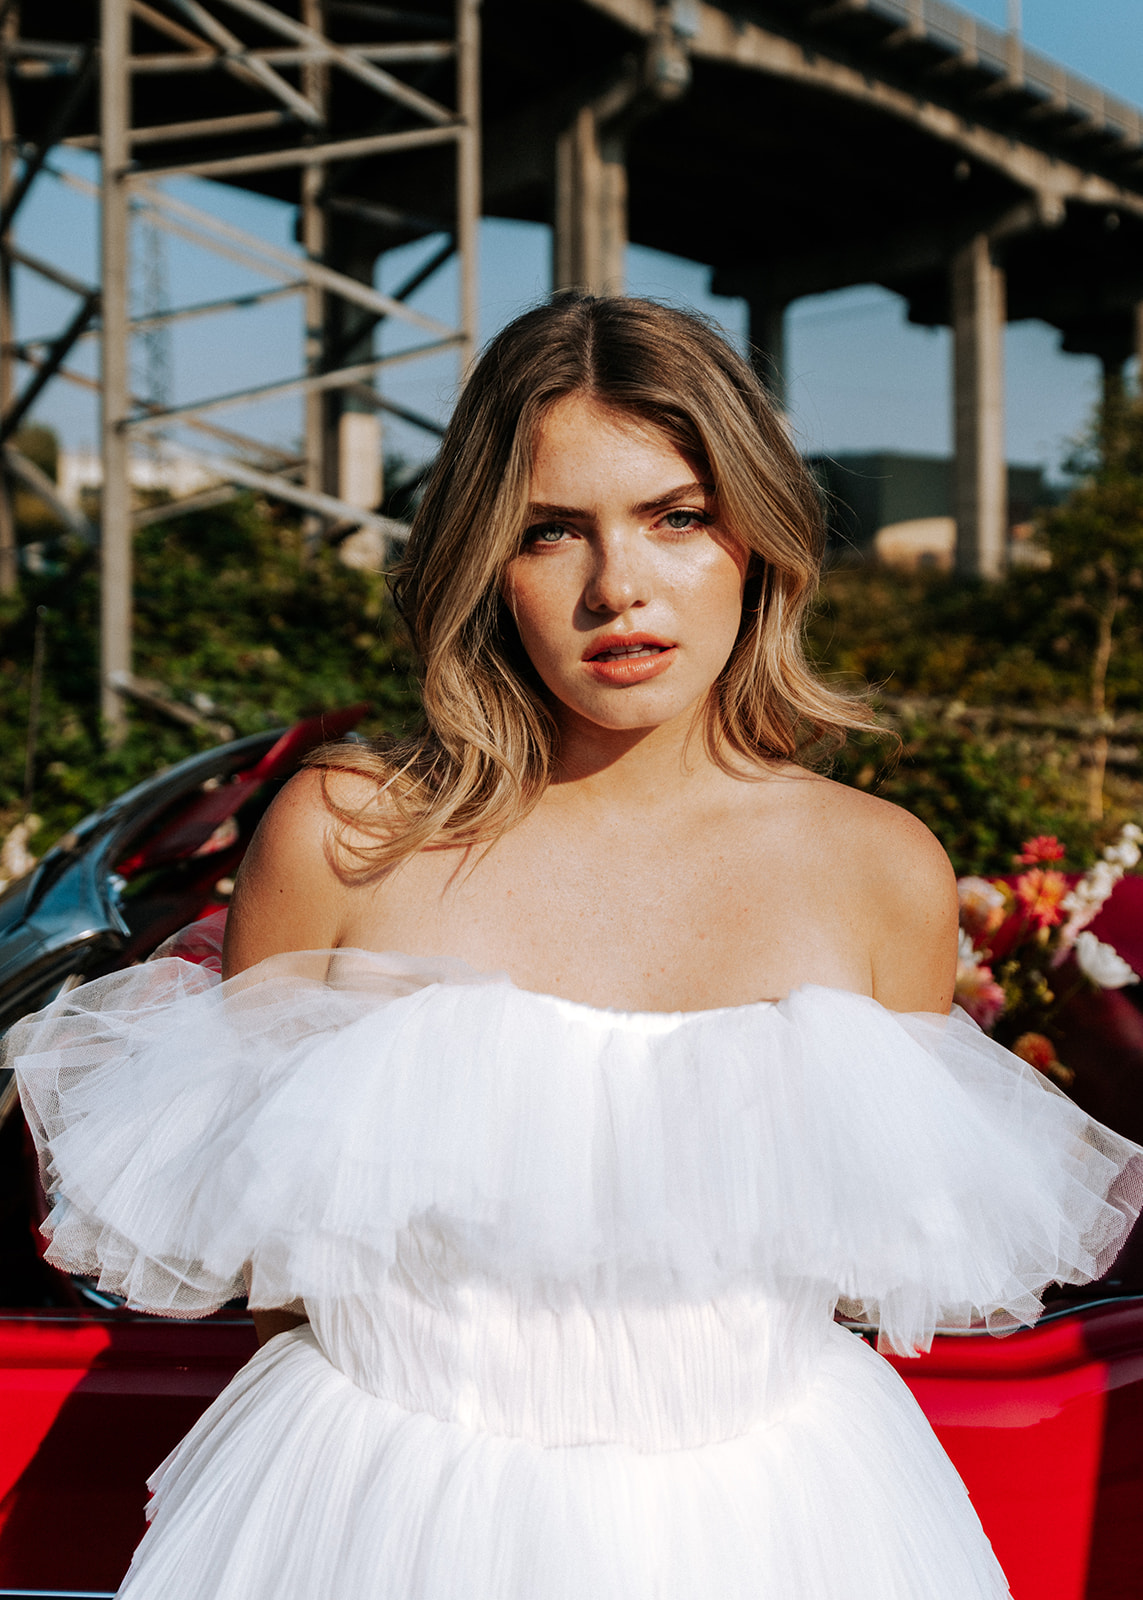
x=1045, y=1426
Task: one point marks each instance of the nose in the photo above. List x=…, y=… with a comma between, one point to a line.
x=619, y=578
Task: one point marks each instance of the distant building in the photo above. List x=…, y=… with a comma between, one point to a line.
x=918, y=544
x=82, y=470
x=909, y=500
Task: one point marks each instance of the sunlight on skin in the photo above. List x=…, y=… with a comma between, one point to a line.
x=627, y=592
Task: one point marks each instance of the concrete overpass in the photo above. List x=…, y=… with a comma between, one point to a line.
x=798, y=146
x=794, y=146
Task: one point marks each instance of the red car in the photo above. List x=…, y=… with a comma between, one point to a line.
x=1045, y=1426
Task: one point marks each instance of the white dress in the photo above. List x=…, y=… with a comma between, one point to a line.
x=570, y=1274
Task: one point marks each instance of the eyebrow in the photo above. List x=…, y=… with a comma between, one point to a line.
x=684, y=491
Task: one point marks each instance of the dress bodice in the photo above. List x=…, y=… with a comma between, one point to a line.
x=557, y=1366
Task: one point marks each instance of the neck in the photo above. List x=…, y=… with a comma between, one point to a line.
x=633, y=766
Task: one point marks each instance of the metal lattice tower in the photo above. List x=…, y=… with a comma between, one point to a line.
x=794, y=147
x=321, y=103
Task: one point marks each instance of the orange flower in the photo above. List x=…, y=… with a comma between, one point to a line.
x=1037, y=1050
x=1040, y=894
x=1041, y=850
x=1040, y=1052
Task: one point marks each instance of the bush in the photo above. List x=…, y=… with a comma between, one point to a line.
x=981, y=797
x=1068, y=637
x=229, y=617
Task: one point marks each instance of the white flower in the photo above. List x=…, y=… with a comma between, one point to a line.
x=1122, y=855
x=972, y=891
x=981, y=906
x=966, y=953
x=1104, y=966
x=1092, y=889
x=1084, y=901
x=1087, y=897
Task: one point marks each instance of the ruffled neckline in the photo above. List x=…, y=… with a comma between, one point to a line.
x=189, y=1128
x=402, y=973
x=452, y=972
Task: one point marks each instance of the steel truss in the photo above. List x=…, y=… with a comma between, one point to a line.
x=310, y=111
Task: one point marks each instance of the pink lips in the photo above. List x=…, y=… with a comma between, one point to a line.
x=627, y=658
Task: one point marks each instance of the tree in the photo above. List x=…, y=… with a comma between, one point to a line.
x=1095, y=538
x=231, y=619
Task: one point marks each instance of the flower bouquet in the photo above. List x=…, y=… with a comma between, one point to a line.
x=1026, y=949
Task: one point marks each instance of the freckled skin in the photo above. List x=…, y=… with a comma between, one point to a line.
x=647, y=878
x=673, y=572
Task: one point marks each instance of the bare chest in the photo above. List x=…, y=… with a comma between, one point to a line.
x=667, y=921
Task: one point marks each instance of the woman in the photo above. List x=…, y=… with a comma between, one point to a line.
x=570, y=1188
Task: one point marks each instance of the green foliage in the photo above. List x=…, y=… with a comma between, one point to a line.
x=39, y=443
x=983, y=644
x=1069, y=636
x=1096, y=543
x=981, y=797
x=229, y=618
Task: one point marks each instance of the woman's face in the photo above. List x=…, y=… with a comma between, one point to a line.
x=627, y=592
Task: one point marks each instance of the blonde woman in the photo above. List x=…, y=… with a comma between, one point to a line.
x=574, y=1060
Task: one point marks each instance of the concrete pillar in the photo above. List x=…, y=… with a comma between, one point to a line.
x=115, y=555
x=355, y=469
x=314, y=237
x=590, y=237
x=767, y=334
x=360, y=481
x=980, y=470
x=468, y=177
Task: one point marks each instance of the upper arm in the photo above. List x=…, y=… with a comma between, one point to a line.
x=288, y=895
x=913, y=899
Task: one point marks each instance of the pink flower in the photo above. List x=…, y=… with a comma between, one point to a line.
x=982, y=906
x=1041, y=850
x=979, y=993
x=1041, y=895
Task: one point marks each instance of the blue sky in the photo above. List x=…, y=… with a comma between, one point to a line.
x=860, y=376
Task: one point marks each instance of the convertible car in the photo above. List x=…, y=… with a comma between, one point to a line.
x=1045, y=1426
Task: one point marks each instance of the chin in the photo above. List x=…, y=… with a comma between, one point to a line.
x=629, y=712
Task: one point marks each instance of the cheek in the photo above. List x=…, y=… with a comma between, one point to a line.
x=717, y=594
x=534, y=608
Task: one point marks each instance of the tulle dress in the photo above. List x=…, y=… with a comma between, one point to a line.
x=570, y=1274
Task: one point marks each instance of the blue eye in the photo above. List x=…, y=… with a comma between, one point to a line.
x=545, y=533
x=680, y=521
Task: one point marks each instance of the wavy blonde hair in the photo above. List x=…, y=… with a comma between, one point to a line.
x=489, y=742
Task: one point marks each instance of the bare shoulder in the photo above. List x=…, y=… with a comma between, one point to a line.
x=895, y=873
x=882, y=838
x=290, y=894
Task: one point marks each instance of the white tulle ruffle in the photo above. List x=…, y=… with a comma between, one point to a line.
x=292, y=1123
